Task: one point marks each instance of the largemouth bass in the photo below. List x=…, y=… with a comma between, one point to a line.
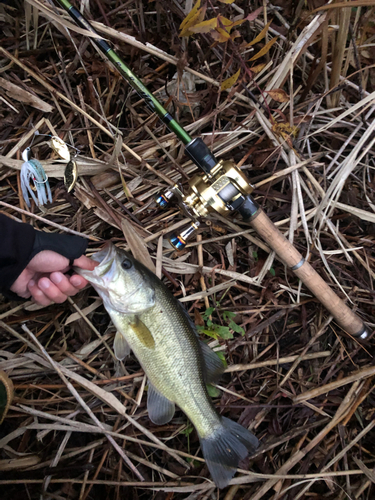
x=155, y=326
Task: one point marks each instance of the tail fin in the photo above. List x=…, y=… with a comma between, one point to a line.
x=225, y=448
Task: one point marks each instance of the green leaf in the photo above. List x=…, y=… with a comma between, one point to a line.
x=255, y=255
x=208, y=312
x=228, y=315
x=210, y=333
x=272, y=271
x=221, y=355
x=214, y=392
x=236, y=328
x=193, y=462
x=223, y=332
x=189, y=429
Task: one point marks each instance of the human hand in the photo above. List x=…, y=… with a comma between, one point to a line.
x=44, y=280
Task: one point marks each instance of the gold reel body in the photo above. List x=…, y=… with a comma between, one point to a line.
x=213, y=192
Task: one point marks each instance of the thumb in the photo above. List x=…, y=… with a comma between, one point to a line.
x=84, y=262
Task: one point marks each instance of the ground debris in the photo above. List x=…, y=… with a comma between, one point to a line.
x=298, y=117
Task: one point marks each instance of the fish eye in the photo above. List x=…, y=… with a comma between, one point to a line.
x=126, y=264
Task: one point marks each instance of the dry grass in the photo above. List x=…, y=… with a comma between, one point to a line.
x=78, y=427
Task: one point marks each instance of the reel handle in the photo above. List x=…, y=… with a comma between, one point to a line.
x=345, y=317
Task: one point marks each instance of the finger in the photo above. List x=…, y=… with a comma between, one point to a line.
x=78, y=282
x=84, y=262
x=25, y=294
x=37, y=294
x=64, y=284
x=48, y=261
x=51, y=291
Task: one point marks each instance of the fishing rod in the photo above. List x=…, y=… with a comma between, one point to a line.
x=223, y=188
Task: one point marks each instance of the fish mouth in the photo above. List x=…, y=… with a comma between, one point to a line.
x=106, y=258
x=102, y=277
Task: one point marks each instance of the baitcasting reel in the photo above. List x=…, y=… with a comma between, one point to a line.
x=223, y=188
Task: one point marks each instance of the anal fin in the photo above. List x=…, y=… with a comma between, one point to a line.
x=160, y=409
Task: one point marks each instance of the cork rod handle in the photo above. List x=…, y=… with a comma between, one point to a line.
x=344, y=316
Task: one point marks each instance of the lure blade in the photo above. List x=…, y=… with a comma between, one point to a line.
x=70, y=175
x=60, y=148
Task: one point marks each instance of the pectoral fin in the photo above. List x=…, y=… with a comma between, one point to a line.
x=143, y=333
x=160, y=409
x=213, y=365
x=120, y=346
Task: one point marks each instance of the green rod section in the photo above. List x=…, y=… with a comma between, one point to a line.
x=129, y=76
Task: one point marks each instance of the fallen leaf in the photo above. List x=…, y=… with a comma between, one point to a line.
x=235, y=34
x=205, y=26
x=285, y=131
x=258, y=68
x=196, y=19
x=264, y=50
x=220, y=35
x=137, y=246
x=225, y=22
x=261, y=35
x=278, y=95
x=191, y=14
x=253, y=15
x=226, y=1
x=229, y=82
x=15, y=92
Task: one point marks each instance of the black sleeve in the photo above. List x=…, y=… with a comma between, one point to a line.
x=19, y=243
x=16, y=244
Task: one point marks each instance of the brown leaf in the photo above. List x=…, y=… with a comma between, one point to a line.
x=15, y=92
x=198, y=319
x=278, y=95
x=253, y=15
x=137, y=245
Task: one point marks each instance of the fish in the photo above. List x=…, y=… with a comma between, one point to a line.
x=152, y=323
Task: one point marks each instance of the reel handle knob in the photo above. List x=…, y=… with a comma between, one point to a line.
x=178, y=241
